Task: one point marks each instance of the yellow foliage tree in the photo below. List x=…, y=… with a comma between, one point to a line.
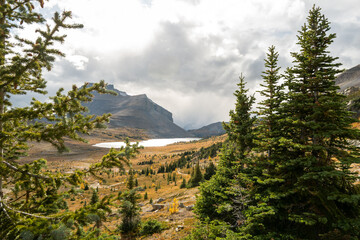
x=174, y=206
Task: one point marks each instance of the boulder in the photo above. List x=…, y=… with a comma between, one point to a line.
x=190, y=207
x=179, y=227
x=140, y=189
x=157, y=206
x=160, y=200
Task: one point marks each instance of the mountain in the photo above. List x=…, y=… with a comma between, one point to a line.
x=138, y=112
x=349, y=83
x=349, y=78
x=213, y=129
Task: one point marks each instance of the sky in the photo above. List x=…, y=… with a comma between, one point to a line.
x=187, y=55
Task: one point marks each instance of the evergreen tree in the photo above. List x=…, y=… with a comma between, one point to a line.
x=261, y=172
x=130, y=184
x=209, y=171
x=183, y=183
x=94, y=197
x=136, y=183
x=129, y=208
x=196, y=177
x=33, y=207
x=320, y=131
x=215, y=201
x=268, y=129
x=299, y=183
x=317, y=198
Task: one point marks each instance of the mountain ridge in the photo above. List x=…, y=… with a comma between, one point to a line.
x=136, y=111
x=349, y=78
x=213, y=129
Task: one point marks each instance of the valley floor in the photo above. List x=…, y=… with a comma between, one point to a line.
x=157, y=185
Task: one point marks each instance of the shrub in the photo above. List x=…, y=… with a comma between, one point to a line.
x=210, y=230
x=150, y=227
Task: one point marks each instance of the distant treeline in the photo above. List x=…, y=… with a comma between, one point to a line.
x=211, y=151
x=188, y=157
x=150, y=162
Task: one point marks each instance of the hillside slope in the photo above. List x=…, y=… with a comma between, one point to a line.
x=349, y=78
x=214, y=129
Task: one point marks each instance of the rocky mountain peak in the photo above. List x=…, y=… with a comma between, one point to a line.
x=136, y=111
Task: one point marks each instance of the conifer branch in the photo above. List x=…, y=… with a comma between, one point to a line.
x=25, y=213
x=17, y=198
x=41, y=49
x=19, y=170
x=5, y=211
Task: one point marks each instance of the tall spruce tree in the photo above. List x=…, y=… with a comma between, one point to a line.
x=261, y=172
x=215, y=201
x=269, y=113
x=30, y=198
x=321, y=152
x=317, y=198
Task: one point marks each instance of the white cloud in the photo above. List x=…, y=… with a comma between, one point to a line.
x=78, y=61
x=187, y=55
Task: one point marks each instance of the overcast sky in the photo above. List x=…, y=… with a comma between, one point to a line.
x=187, y=55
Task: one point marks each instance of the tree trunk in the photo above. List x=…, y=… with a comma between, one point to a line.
x=2, y=91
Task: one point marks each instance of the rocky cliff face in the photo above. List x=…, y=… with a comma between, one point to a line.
x=349, y=83
x=136, y=112
x=349, y=78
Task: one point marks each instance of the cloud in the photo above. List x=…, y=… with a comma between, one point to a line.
x=186, y=55
x=78, y=61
